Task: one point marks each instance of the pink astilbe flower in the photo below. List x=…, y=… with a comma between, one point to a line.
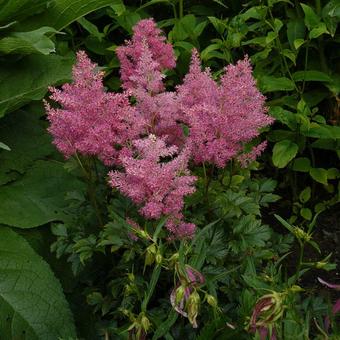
x=91, y=121
x=221, y=118
x=158, y=187
x=145, y=33
x=246, y=158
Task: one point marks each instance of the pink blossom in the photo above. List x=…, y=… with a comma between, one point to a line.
x=221, y=118
x=246, y=158
x=91, y=121
x=145, y=33
x=158, y=187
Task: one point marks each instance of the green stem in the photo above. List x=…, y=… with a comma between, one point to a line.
x=181, y=9
x=298, y=268
x=91, y=189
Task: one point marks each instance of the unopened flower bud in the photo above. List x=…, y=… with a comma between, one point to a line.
x=193, y=304
x=180, y=291
x=150, y=254
x=301, y=234
x=211, y=300
x=131, y=277
x=145, y=322
x=159, y=258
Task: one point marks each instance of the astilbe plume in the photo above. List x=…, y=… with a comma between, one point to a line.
x=91, y=121
x=157, y=186
x=222, y=118
x=145, y=33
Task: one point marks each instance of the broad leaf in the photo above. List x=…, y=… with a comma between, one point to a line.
x=319, y=175
x=28, y=42
x=17, y=9
x=311, y=18
x=270, y=84
x=27, y=79
x=39, y=197
x=61, y=13
x=311, y=76
x=31, y=298
x=284, y=152
x=28, y=139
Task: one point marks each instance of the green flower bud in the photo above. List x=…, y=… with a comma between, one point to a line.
x=159, y=258
x=180, y=291
x=145, y=322
x=211, y=300
x=150, y=254
x=193, y=305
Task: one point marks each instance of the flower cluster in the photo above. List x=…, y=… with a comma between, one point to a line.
x=90, y=120
x=221, y=117
x=146, y=140
x=158, y=187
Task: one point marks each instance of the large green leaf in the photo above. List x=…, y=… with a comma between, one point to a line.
x=61, y=13
x=270, y=83
x=25, y=134
x=28, y=78
x=28, y=42
x=39, y=197
x=31, y=299
x=17, y=9
x=284, y=152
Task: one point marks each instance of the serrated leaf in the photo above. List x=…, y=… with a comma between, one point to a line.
x=31, y=298
x=36, y=73
x=39, y=197
x=319, y=175
x=283, y=152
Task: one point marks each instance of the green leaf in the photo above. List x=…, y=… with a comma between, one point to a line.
x=306, y=213
x=28, y=139
x=271, y=83
x=318, y=30
x=4, y=147
x=61, y=13
x=301, y=164
x=311, y=76
x=311, y=18
x=91, y=28
x=295, y=30
x=28, y=42
x=298, y=43
x=305, y=195
x=166, y=325
x=118, y=7
x=17, y=9
x=319, y=175
x=39, y=197
x=283, y=152
x=31, y=298
x=27, y=79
